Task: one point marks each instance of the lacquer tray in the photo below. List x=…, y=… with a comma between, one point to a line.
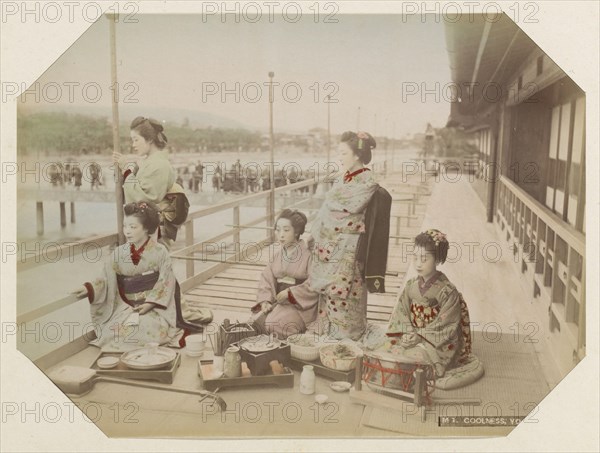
x=280, y=376
x=164, y=375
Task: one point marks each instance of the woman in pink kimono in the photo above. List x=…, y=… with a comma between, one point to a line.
x=133, y=302
x=286, y=302
x=336, y=273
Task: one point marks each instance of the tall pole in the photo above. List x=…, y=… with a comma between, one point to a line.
x=375, y=124
x=271, y=219
x=393, y=143
x=112, y=19
x=386, y=132
x=328, y=130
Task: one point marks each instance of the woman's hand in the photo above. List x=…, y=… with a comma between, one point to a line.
x=266, y=307
x=410, y=339
x=83, y=292
x=282, y=296
x=144, y=308
x=124, y=160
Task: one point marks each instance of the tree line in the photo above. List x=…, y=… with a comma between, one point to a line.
x=76, y=134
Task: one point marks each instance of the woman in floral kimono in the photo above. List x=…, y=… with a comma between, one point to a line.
x=286, y=302
x=430, y=323
x=148, y=176
x=336, y=273
x=133, y=303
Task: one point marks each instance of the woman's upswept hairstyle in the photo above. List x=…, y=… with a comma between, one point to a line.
x=434, y=241
x=146, y=212
x=360, y=143
x=296, y=218
x=151, y=130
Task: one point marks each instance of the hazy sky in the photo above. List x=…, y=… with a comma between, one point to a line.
x=175, y=59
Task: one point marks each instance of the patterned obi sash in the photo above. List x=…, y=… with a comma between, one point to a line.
x=421, y=315
x=287, y=282
x=132, y=289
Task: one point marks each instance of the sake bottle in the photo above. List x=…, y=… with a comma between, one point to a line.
x=307, y=380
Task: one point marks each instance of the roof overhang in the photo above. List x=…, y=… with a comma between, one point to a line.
x=483, y=57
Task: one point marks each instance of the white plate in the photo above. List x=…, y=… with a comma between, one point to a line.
x=321, y=398
x=107, y=363
x=340, y=386
x=142, y=359
x=195, y=353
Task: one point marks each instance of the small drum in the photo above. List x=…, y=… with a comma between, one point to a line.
x=387, y=371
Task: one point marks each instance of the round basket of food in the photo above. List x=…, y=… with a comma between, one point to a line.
x=304, y=346
x=340, y=356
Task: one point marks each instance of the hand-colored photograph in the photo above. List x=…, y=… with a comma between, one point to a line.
x=301, y=221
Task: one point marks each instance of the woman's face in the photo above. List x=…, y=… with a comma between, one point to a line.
x=285, y=232
x=139, y=144
x=133, y=230
x=424, y=261
x=347, y=157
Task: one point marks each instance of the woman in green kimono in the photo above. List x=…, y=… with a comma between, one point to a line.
x=148, y=175
x=133, y=302
x=430, y=323
x=335, y=272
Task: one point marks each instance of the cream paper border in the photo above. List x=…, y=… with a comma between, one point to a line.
x=567, y=418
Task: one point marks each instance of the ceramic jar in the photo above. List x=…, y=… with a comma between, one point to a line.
x=307, y=380
x=233, y=362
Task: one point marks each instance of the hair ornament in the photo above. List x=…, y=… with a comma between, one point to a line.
x=437, y=236
x=361, y=136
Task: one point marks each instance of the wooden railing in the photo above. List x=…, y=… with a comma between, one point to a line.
x=30, y=261
x=552, y=254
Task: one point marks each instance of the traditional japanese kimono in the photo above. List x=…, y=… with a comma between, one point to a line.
x=152, y=180
x=437, y=312
x=287, y=270
x=125, y=285
x=336, y=273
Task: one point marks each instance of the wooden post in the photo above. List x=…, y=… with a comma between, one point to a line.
x=39, y=207
x=112, y=19
x=189, y=241
x=358, y=373
x=236, y=225
x=72, y=212
x=271, y=209
x=63, y=215
x=419, y=387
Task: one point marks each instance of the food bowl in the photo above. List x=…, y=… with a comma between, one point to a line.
x=195, y=343
x=304, y=347
x=340, y=356
x=340, y=386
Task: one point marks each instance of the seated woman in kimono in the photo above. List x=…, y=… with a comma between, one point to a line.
x=430, y=323
x=286, y=303
x=133, y=302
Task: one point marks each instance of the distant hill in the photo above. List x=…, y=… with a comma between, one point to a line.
x=196, y=119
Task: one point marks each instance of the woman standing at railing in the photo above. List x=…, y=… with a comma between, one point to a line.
x=337, y=272
x=148, y=176
x=133, y=302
